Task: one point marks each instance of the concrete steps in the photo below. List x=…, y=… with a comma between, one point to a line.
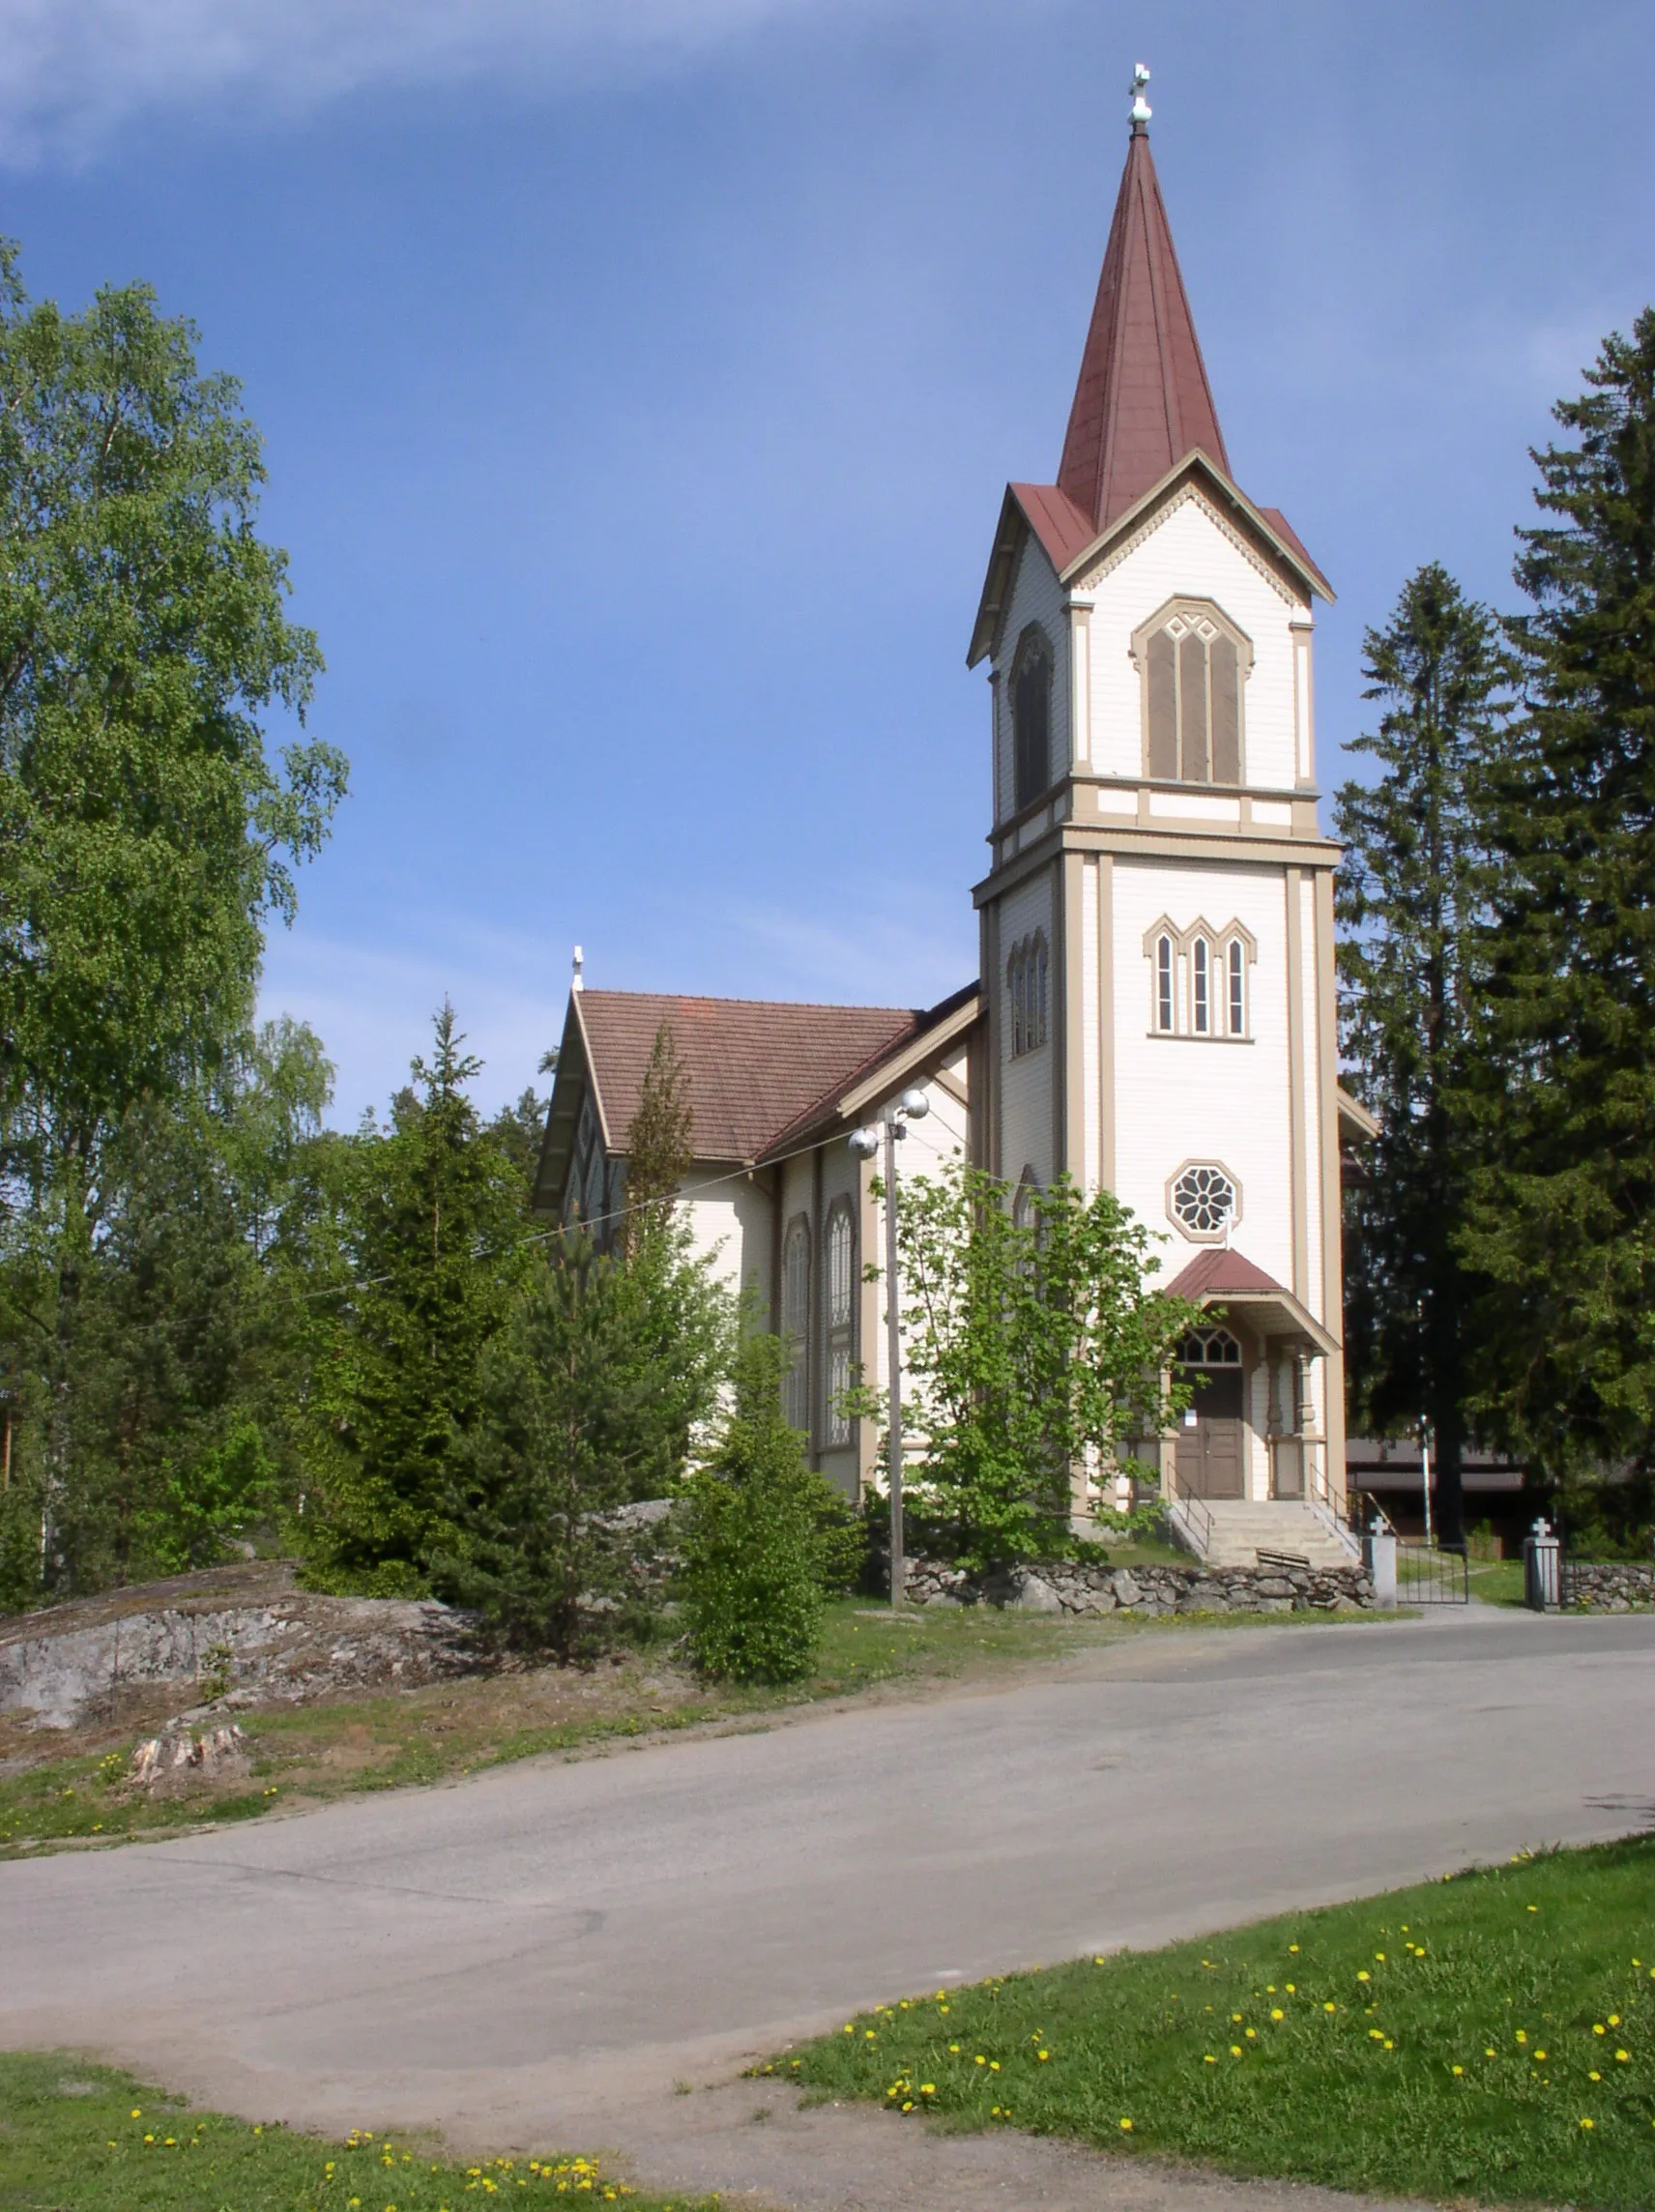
x=1243, y=1528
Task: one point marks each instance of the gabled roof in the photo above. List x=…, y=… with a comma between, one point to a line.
x=755, y=1067
x=1142, y=401
x=1223, y=1277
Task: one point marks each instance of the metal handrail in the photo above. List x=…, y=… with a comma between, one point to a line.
x=1198, y=1519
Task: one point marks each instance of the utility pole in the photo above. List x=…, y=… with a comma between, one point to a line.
x=912, y=1106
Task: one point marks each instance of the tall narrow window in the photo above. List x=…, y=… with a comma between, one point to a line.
x=796, y=1324
x=1237, y=988
x=1193, y=669
x=1036, y=1009
x=1014, y=979
x=841, y=1320
x=1164, y=998
x=1201, y=987
x=1031, y=718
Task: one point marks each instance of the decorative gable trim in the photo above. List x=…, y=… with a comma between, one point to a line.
x=1187, y=494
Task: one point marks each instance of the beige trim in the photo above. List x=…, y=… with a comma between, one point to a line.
x=993, y=1022
x=1353, y=1116
x=1068, y=887
x=1077, y=575
x=1296, y=1082
x=865, y=1435
x=1190, y=845
x=1106, y=1017
x=1332, y=1219
x=1079, y=683
x=913, y=1057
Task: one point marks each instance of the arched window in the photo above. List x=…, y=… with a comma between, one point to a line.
x=1030, y=718
x=1210, y=1347
x=1201, y=987
x=1194, y=667
x=1025, y=981
x=795, y=1322
x=1025, y=1207
x=1166, y=997
x=841, y=1318
x=1237, y=966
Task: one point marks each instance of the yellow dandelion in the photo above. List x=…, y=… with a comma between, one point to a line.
x=1622, y=2057
x=1330, y=2006
x=1363, y=1975
x=1277, y=2013
x=1457, y=2069
x=1127, y=2125
x=1209, y=2060
x=1588, y=2123
x=1235, y=2050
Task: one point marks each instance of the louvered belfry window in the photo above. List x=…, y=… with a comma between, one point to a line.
x=1031, y=718
x=1193, y=673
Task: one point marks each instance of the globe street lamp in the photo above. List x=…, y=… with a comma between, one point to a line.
x=912, y=1106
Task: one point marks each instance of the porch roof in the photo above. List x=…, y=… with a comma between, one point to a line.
x=1222, y=1277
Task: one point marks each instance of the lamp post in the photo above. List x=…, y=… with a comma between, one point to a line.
x=912, y=1106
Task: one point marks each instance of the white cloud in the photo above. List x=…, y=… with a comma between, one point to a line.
x=72, y=70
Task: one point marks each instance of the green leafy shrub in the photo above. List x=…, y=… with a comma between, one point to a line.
x=766, y=1538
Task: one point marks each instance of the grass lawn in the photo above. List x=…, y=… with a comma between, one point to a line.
x=1489, y=2037
x=1496, y=1582
x=82, y=2137
x=59, y=1793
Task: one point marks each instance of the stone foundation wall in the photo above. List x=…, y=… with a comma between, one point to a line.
x=1079, y=1587
x=1610, y=1586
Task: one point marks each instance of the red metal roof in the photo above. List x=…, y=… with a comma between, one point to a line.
x=754, y=1064
x=1142, y=401
x=1216, y=1272
x=1056, y=521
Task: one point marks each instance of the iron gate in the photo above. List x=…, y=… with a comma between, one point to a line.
x=1427, y=1575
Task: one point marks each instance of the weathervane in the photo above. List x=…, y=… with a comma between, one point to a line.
x=1140, y=108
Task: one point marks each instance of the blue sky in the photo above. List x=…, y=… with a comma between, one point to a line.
x=639, y=378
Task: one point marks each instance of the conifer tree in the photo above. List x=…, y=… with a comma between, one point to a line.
x=660, y=1143
x=1563, y=1223
x=435, y=1230
x=1411, y=894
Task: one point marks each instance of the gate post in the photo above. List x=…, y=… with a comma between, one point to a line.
x=1542, y=1579
x=1378, y=1556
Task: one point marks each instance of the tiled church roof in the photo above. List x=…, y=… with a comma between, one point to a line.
x=1142, y=401
x=754, y=1065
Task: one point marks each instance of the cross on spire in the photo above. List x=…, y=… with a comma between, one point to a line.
x=1140, y=108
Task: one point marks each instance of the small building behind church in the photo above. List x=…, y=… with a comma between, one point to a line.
x=1154, y=1009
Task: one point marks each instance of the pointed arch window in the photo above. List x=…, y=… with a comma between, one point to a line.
x=1166, y=983
x=841, y=1246
x=1194, y=665
x=795, y=1322
x=1030, y=718
x=1200, y=980
x=1026, y=982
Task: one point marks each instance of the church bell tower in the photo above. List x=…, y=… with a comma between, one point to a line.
x=1157, y=916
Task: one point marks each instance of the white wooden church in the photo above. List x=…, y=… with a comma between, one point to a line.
x=1155, y=1004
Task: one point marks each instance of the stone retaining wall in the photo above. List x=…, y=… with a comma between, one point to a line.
x=1610, y=1586
x=1067, y=1586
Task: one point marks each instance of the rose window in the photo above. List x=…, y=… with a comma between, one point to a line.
x=1203, y=1200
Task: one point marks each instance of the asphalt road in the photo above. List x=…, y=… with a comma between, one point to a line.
x=533, y=1953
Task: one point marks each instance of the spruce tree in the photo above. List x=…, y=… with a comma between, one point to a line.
x=659, y=1144
x=1412, y=893
x=434, y=1214
x=1563, y=1225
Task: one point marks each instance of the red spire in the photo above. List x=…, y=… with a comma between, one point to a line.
x=1142, y=401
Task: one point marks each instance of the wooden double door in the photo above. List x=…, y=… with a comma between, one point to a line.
x=1211, y=1459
